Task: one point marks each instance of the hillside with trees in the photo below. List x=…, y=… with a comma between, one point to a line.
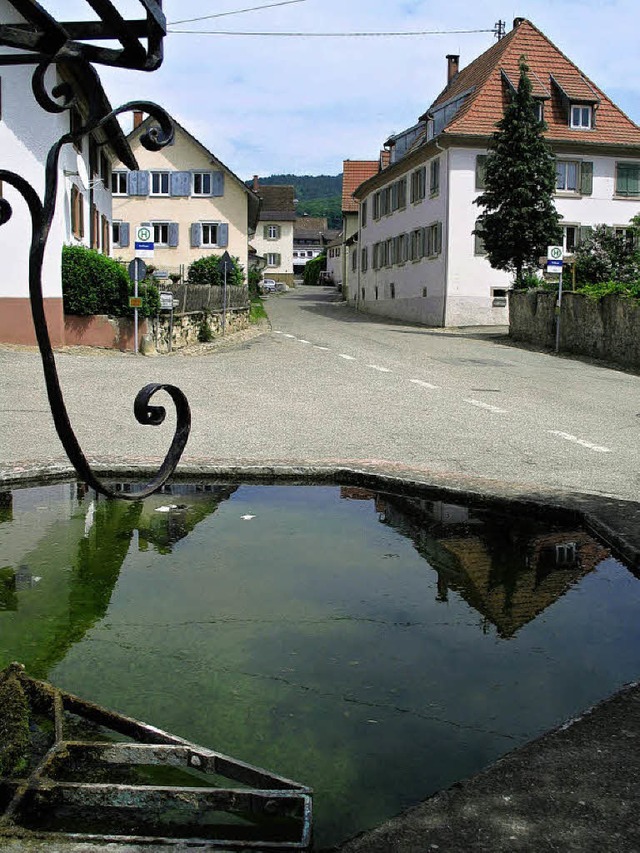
x=317, y=195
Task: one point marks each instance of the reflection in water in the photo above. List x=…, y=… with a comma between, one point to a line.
x=373, y=646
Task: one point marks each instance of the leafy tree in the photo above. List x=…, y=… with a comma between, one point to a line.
x=605, y=257
x=312, y=269
x=207, y=271
x=519, y=219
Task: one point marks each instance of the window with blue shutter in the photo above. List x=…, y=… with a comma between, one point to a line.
x=138, y=183
x=217, y=183
x=180, y=184
x=124, y=235
x=223, y=234
x=173, y=235
x=196, y=235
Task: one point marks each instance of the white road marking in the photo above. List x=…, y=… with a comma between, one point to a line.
x=489, y=408
x=348, y=357
x=424, y=384
x=289, y=336
x=574, y=438
x=377, y=367
x=277, y=333
x=324, y=349
x=301, y=341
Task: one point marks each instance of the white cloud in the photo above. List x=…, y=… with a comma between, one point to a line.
x=267, y=105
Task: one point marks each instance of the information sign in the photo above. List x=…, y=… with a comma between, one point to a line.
x=166, y=300
x=144, y=244
x=135, y=302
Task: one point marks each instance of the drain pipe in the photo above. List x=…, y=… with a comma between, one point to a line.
x=445, y=151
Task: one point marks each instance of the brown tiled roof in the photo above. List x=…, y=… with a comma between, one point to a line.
x=484, y=106
x=277, y=202
x=312, y=223
x=354, y=173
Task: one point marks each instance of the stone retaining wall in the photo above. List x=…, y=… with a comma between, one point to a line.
x=163, y=338
x=607, y=328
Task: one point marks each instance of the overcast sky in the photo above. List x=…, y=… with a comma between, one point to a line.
x=302, y=105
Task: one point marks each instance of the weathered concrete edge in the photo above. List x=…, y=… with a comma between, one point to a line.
x=614, y=520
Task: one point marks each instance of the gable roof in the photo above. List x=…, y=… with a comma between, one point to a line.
x=353, y=174
x=552, y=73
x=253, y=200
x=278, y=202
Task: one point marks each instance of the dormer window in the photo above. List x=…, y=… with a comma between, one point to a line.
x=538, y=108
x=581, y=117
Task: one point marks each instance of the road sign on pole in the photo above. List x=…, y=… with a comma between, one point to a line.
x=554, y=260
x=144, y=244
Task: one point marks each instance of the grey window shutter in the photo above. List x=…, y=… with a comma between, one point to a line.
x=124, y=235
x=481, y=171
x=438, y=238
x=586, y=178
x=138, y=183
x=180, y=183
x=223, y=234
x=173, y=234
x=278, y=231
x=278, y=260
x=266, y=232
x=217, y=183
x=196, y=235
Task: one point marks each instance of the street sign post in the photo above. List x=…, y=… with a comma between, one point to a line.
x=554, y=266
x=137, y=271
x=225, y=265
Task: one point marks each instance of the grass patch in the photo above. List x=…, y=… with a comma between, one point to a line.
x=14, y=726
x=257, y=312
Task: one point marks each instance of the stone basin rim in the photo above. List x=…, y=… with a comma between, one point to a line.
x=616, y=521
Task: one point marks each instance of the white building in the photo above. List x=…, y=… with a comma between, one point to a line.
x=273, y=239
x=83, y=205
x=418, y=259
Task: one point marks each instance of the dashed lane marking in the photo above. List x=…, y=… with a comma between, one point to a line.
x=424, y=384
x=289, y=336
x=348, y=357
x=377, y=367
x=480, y=405
x=301, y=341
x=324, y=349
x=574, y=438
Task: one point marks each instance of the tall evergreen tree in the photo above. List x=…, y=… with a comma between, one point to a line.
x=519, y=219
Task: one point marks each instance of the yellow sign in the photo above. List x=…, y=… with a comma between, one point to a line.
x=135, y=302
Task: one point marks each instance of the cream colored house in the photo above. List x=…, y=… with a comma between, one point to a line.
x=195, y=204
x=274, y=235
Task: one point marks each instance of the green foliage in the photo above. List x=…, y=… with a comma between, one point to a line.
x=313, y=268
x=254, y=278
x=207, y=271
x=205, y=334
x=528, y=281
x=604, y=257
x=331, y=207
x=14, y=726
x=597, y=290
x=519, y=219
x=257, y=312
x=317, y=195
x=95, y=284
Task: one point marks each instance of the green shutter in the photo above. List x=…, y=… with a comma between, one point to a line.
x=586, y=178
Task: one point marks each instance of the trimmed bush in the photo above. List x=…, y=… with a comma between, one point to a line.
x=206, y=271
x=312, y=269
x=92, y=283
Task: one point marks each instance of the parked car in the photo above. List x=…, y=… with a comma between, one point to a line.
x=268, y=285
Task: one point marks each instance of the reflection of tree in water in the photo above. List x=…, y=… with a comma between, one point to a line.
x=64, y=585
x=509, y=568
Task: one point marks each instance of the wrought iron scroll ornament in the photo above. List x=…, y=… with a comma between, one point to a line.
x=63, y=98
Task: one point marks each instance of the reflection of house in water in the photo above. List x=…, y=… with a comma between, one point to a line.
x=508, y=568
x=63, y=551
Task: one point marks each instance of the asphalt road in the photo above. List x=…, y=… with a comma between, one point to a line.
x=328, y=385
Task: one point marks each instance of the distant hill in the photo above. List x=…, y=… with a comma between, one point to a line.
x=317, y=195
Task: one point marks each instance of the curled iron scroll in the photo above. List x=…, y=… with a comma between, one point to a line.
x=42, y=213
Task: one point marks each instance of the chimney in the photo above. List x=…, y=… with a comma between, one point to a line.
x=138, y=117
x=256, y=183
x=517, y=22
x=453, y=64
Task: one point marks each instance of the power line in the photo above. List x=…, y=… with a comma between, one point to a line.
x=330, y=35
x=237, y=12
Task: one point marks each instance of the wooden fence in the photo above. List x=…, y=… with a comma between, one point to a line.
x=204, y=297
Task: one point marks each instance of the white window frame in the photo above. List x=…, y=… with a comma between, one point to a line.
x=202, y=176
x=272, y=259
x=273, y=232
x=208, y=226
x=580, y=124
x=160, y=176
x=575, y=227
x=158, y=233
x=564, y=165
x=120, y=178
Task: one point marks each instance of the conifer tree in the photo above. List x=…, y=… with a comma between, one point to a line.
x=519, y=219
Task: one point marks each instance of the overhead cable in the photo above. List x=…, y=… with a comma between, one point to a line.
x=329, y=35
x=237, y=11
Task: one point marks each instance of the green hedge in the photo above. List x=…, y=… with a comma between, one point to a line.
x=312, y=269
x=206, y=271
x=95, y=284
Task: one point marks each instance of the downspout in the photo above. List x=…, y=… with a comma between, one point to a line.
x=445, y=151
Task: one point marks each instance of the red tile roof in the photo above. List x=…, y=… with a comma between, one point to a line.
x=484, y=106
x=354, y=173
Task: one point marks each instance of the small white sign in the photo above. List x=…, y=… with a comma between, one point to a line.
x=554, y=253
x=166, y=300
x=144, y=234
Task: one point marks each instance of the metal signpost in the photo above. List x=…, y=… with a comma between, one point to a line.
x=168, y=303
x=225, y=265
x=554, y=266
x=137, y=272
